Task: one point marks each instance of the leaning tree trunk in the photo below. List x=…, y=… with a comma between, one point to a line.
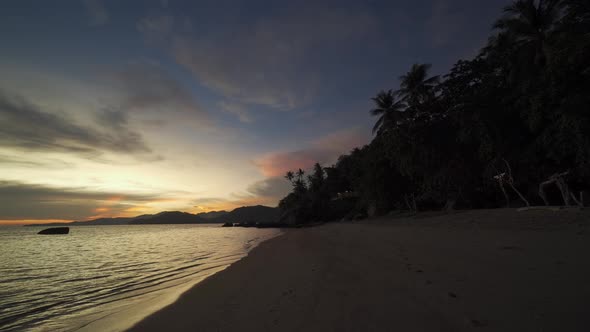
x=450, y=204
x=579, y=202
x=519, y=194
x=542, y=192
x=511, y=183
x=563, y=188
x=411, y=202
x=559, y=180
x=501, y=184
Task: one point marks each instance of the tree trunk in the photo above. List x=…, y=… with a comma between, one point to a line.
x=580, y=204
x=563, y=188
x=542, y=192
x=511, y=182
x=519, y=194
x=501, y=183
x=450, y=205
x=407, y=202
x=414, y=203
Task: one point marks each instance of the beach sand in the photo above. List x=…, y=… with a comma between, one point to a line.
x=488, y=270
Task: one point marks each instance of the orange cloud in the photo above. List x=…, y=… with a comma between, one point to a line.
x=324, y=150
x=30, y=221
x=277, y=164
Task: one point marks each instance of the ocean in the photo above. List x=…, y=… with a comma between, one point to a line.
x=106, y=278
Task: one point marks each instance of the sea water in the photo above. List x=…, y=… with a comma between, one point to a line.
x=106, y=278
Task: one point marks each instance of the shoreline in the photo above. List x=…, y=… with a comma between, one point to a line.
x=491, y=269
x=128, y=313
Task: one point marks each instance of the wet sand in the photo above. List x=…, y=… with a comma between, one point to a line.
x=488, y=270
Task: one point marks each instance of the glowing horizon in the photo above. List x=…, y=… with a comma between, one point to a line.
x=126, y=108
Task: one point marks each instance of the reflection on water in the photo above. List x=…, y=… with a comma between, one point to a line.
x=66, y=282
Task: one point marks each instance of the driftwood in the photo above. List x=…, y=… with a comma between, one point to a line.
x=411, y=202
x=559, y=180
x=506, y=178
x=500, y=179
x=547, y=208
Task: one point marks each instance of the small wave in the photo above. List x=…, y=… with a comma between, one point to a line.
x=60, y=286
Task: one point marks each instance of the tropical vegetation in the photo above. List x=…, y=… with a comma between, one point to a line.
x=485, y=134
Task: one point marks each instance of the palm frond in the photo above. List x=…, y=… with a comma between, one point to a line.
x=377, y=125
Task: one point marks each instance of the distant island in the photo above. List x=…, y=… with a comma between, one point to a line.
x=244, y=215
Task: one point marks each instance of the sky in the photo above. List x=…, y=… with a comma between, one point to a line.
x=121, y=108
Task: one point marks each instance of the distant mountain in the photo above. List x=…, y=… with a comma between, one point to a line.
x=245, y=214
x=103, y=221
x=169, y=217
x=212, y=214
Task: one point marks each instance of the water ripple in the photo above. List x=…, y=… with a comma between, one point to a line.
x=66, y=282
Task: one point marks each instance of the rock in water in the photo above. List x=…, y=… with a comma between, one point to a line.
x=55, y=230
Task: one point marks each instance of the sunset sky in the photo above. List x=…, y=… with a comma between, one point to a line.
x=120, y=108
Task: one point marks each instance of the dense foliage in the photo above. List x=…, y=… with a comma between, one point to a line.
x=520, y=107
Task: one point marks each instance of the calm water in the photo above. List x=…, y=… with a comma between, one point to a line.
x=108, y=277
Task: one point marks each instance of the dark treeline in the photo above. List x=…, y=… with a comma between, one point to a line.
x=490, y=133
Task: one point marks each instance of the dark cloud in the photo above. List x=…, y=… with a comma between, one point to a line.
x=148, y=86
x=276, y=187
x=268, y=61
x=29, y=201
x=25, y=126
x=46, y=163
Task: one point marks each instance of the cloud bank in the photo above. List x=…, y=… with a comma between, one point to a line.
x=30, y=201
x=25, y=126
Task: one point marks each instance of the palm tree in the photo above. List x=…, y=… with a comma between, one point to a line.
x=388, y=109
x=416, y=87
x=529, y=23
x=300, y=174
x=289, y=176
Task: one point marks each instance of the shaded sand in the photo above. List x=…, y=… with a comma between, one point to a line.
x=489, y=270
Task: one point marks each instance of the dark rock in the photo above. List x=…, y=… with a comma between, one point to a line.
x=228, y=224
x=55, y=230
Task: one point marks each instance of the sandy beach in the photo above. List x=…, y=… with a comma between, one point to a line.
x=489, y=270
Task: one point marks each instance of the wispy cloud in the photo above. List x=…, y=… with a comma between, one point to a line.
x=27, y=127
x=97, y=12
x=149, y=87
x=156, y=28
x=264, y=62
x=237, y=109
x=324, y=150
